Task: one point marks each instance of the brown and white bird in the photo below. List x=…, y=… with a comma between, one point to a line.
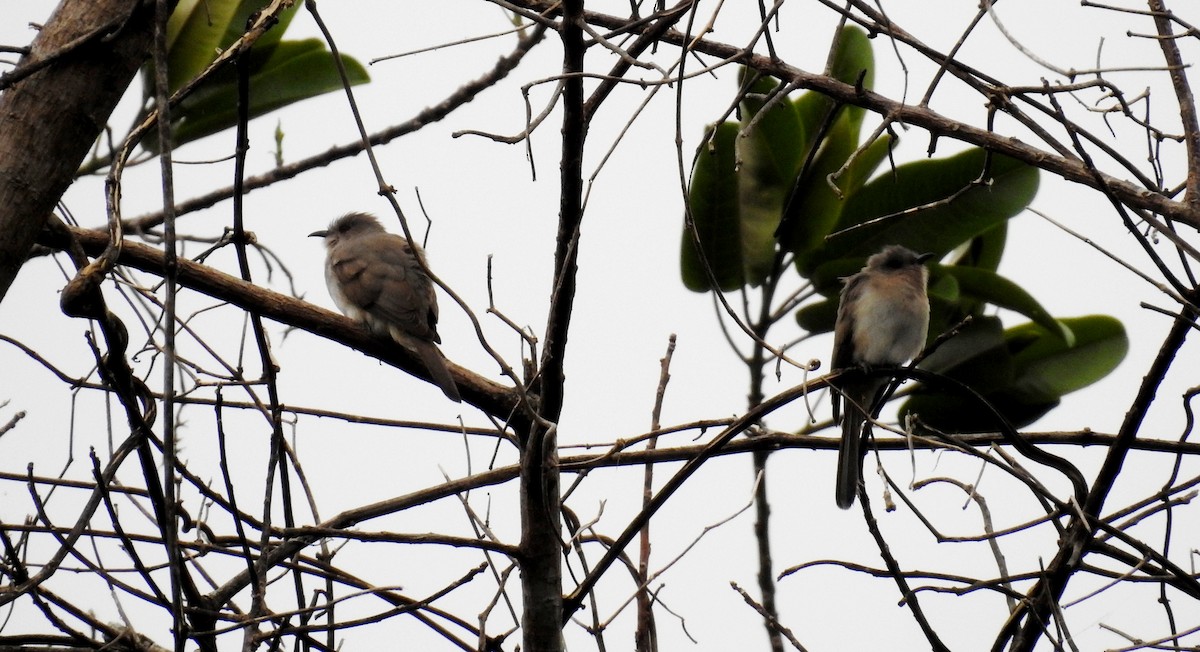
x=882, y=320
x=375, y=279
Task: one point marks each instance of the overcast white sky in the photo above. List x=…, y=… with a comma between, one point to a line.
x=483, y=203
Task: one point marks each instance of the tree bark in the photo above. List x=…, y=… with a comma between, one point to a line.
x=541, y=503
x=54, y=106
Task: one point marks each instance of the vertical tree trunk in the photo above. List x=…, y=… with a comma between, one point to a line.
x=83, y=60
x=541, y=524
x=541, y=552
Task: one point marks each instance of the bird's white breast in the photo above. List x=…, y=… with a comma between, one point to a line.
x=890, y=324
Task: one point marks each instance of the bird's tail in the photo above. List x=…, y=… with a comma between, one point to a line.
x=849, y=468
x=858, y=400
x=438, y=371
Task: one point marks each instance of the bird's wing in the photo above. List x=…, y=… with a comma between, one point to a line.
x=843, y=334
x=394, y=288
x=843, y=330
x=351, y=271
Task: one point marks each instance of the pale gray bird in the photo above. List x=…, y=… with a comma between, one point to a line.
x=882, y=320
x=375, y=279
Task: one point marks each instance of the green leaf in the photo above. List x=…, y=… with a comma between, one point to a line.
x=814, y=207
x=281, y=72
x=853, y=63
x=976, y=356
x=854, y=58
x=944, y=287
x=769, y=148
x=955, y=413
x=195, y=33
x=819, y=316
x=1048, y=367
x=199, y=29
x=992, y=288
x=713, y=207
x=1023, y=372
x=949, y=208
x=984, y=250
x=774, y=138
x=296, y=70
x=812, y=108
x=241, y=20
x=773, y=144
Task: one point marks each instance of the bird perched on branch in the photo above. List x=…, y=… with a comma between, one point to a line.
x=882, y=320
x=376, y=278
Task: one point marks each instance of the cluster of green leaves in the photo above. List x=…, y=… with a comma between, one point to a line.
x=281, y=72
x=761, y=195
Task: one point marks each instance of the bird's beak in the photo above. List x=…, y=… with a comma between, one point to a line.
x=318, y=234
x=921, y=258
